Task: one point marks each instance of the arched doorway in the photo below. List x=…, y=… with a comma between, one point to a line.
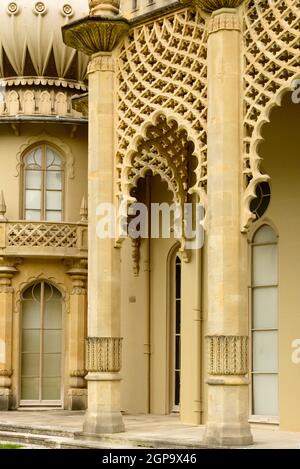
x=159, y=174
x=41, y=346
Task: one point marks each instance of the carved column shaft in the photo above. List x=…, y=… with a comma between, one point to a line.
x=77, y=334
x=227, y=328
x=6, y=314
x=103, y=342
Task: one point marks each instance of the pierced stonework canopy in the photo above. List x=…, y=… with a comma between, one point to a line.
x=31, y=43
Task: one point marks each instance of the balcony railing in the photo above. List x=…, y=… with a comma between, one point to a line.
x=43, y=239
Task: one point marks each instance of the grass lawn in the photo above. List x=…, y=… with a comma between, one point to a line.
x=9, y=446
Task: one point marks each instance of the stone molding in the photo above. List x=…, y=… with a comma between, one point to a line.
x=98, y=7
x=227, y=355
x=103, y=354
x=78, y=373
x=6, y=373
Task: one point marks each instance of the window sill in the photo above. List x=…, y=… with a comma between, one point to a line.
x=264, y=420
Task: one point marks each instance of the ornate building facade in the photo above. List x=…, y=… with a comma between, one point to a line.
x=186, y=102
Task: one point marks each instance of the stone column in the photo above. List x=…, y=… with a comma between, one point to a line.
x=227, y=323
x=7, y=271
x=103, y=342
x=98, y=35
x=77, y=394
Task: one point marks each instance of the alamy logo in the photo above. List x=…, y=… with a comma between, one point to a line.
x=296, y=92
x=159, y=221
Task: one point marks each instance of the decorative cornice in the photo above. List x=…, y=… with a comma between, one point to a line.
x=228, y=355
x=211, y=5
x=225, y=19
x=101, y=63
x=44, y=81
x=103, y=354
x=95, y=34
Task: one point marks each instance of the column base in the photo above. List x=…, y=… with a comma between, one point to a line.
x=228, y=411
x=217, y=435
x=103, y=422
x=5, y=399
x=77, y=399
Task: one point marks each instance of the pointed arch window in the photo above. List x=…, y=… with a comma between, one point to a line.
x=43, y=184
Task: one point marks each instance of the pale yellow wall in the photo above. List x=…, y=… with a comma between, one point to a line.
x=143, y=7
x=204, y=375
x=10, y=145
x=190, y=409
x=281, y=153
x=132, y=327
x=54, y=272
x=134, y=313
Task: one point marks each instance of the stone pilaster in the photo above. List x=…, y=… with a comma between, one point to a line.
x=227, y=328
x=98, y=35
x=7, y=271
x=77, y=393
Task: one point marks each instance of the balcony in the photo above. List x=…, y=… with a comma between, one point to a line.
x=24, y=238
x=43, y=239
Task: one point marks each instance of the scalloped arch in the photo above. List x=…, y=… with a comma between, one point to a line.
x=254, y=158
x=169, y=165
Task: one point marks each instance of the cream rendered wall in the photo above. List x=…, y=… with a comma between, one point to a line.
x=10, y=145
x=143, y=7
x=281, y=160
x=134, y=307
x=132, y=330
x=191, y=340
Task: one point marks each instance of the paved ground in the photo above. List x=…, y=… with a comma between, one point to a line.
x=58, y=428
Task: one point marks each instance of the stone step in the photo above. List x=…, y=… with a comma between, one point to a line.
x=52, y=442
x=53, y=437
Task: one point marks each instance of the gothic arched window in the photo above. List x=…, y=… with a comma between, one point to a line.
x=43, y=184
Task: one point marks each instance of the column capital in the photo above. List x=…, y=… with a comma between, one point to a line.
x=103, y=62
x=94, y=34
x=224, y=19
x=211, y=5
